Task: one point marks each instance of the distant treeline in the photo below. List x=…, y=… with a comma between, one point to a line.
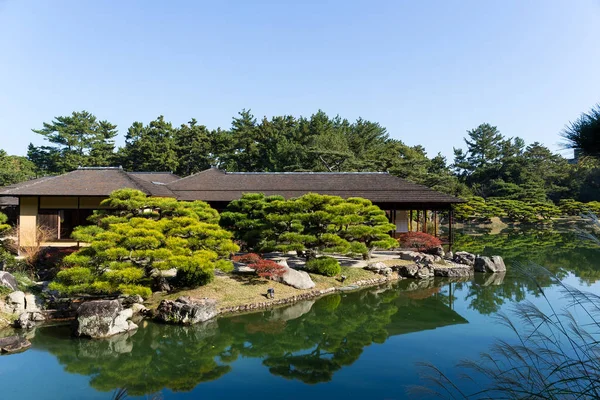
x=488, y=165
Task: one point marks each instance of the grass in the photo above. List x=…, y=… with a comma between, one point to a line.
x=234, y=290
x=391, y=263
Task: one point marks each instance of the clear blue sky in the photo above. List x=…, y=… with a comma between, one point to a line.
x=426, y=70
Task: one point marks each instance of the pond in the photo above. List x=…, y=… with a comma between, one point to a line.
x=363, y=344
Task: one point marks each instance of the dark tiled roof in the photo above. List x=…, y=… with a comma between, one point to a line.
x=216, y=185
x=9, y=201
x=92, y=182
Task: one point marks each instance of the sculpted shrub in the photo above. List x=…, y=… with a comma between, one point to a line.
x=418, y=241
x=139, y=235
x=311, y=224
x=327, y=266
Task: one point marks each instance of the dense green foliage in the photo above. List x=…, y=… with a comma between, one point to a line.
x=491, y=166
x=139, y=236
x=310, y=224
x=327, y=266
x=583, y=135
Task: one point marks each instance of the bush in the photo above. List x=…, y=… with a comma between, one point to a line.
x=264, y=268
x=190, y=276
x=419, y=241
x=327, y=266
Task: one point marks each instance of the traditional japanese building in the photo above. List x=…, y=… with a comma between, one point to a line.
x=62, y=202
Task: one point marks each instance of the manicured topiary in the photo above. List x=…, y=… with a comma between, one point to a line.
x=327, y=266
x=137, y=235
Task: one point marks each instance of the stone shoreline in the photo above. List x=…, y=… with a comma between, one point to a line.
x=263, y=305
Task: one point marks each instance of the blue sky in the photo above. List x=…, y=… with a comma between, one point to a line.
x=426, y=70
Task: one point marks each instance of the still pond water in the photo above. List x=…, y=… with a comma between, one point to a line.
x=364, y=344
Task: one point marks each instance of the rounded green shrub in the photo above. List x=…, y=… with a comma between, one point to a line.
x=327, y=266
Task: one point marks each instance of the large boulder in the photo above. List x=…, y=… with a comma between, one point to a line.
x=462, y=257
x=295, y=278
x=186, y=310
x=9, y=281
x=408, y=271
x=103, y=318
x=499, y=264
x=487, y=264
x=379, y=268
x=13, y=344
x=455, y=271
x=29, y=319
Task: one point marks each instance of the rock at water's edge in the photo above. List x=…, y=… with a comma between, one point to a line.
x=13, y=344
x=186, y=310
x=103, y=318
x=487, y=264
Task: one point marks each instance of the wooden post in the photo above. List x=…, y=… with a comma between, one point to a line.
x=435, y=224
x=410, y=228
x=450, y=233
x=424, y=221
x=418, y=220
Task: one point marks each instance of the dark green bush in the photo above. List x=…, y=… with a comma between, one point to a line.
x=327, y=266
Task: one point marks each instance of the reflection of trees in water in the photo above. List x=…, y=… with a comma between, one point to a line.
x=560, y=252
x=304, y=343
x=151, y=359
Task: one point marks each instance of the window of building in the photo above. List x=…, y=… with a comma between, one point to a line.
x=60, y=223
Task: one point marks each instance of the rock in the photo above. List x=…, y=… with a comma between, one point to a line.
x=29, y=319
x=242, y=268
x=15, y=302
x=165, y=273
x=129, y=301
x=138, y=308
x=295, y=278
x=449, y=256
x=499, y=264
x=379, y=268
x=460, y=271
x=160, y=284
x=103, y=318
x=186, y=310
x=462, y=257
x=408, y=255
x=425, y=272
x=9, y=281
x=408, y=271
x=12, y=344
x=487, y=264
x=436, y=251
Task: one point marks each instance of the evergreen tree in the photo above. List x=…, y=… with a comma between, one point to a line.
x=194, y=148
x=150, y=147
x=77, y=140
x=15, y=169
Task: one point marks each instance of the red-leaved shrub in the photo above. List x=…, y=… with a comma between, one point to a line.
x=418, y=241
x=249, y=258
x=264, y=268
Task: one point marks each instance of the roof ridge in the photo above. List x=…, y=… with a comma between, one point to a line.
x=135, y=182
x=196, y=174
x=309, y=173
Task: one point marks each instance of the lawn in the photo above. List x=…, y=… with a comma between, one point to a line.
x=237, y=289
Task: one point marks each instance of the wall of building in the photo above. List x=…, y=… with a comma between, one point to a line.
x=30, y=206
x=28, y=209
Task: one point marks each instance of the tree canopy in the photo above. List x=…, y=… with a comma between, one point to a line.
x=311, y=224
x=140, y=236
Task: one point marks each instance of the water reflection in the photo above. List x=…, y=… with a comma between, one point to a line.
x=308, y=342
x=311, y=341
